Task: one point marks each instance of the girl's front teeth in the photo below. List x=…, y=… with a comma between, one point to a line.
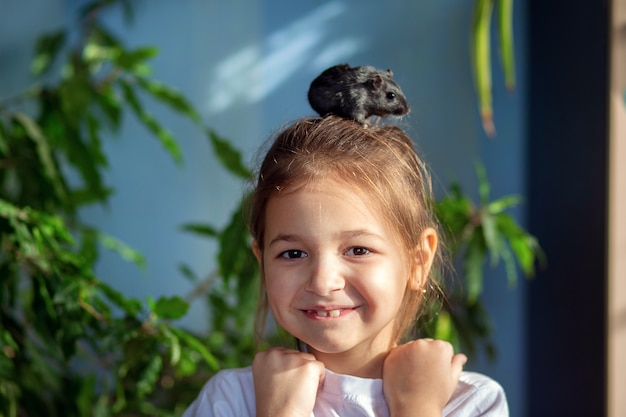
x=328, y=313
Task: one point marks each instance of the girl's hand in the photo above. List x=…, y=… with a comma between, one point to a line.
x=286, y=382
x=420, y=376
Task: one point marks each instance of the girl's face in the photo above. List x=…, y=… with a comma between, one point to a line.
x=335, y=273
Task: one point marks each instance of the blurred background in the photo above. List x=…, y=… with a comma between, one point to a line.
x=246, y=66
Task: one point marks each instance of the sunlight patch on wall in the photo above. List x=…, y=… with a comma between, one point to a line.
x=254, y=72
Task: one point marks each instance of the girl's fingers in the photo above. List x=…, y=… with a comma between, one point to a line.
x=286, y=381
x=458, y=361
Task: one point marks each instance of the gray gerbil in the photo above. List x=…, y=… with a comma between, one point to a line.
x=357, y=93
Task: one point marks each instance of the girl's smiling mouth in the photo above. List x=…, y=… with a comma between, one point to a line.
x=328, y=313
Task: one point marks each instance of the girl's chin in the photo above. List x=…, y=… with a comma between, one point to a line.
x=324, y=348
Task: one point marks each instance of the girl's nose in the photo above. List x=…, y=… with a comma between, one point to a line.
x=325, y=276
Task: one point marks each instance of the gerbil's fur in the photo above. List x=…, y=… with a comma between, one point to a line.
x=357, y=93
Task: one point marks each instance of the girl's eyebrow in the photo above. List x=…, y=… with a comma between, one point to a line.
x=360, y=233
x=284, y=237
x=348, y=234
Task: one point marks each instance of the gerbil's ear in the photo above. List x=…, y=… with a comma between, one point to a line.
x=423, y=257
x=390, y=72
x=377, y=81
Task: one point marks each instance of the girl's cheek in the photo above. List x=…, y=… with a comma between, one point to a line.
x=276, y=286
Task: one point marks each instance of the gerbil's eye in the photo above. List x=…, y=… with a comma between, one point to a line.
x=391, y=95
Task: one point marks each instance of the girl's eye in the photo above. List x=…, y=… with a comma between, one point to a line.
x=357, y=251
x=293, y=254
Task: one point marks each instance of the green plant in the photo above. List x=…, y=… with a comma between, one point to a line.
x=72, y=345
x=480, y=51
x=230, y=291
x=476, y=232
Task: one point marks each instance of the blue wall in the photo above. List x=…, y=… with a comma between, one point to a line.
x=247, y=65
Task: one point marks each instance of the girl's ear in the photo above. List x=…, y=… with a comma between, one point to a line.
x=257, y=252
x=423, y=258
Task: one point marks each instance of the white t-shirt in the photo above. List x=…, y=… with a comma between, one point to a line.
x=231, y=393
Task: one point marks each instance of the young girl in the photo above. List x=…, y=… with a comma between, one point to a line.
x=346, y=242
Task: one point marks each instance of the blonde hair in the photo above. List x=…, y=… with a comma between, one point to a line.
x=379, y=161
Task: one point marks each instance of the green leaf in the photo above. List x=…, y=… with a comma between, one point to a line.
x=509, y=265
x=128, y=11
x=454, y=212
x=88, y=245
x=480, y=50
x=483, y=184
x=43, y=151
x=228, y=155
x=444, y=326
x=100, y=35
x=95, y=142
x=234, y=251
x=101, y=408
x=491, y=236
x=170, y=97
x=524, y=246
x=526, y=249
x=130, y=306
x=110, y=106
x=84, y=397
x=10, y=392
x=473, y=266
x=75, y=92
x=46, y=49
x=95, y=53
x=506, y=43
x=45, y=296
x=87, y=157
x=200, y=229
x=125, y=251
x=149, y=409
x=170, y=308
x=149, y=377
x=501, y=204
x=120, y=396
x=198, y=346
x=174, y=345
x=165, y=137
x=188, y=273
x=4, y=144
x=187, y=365
x=132, y=60
x=86, y=196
